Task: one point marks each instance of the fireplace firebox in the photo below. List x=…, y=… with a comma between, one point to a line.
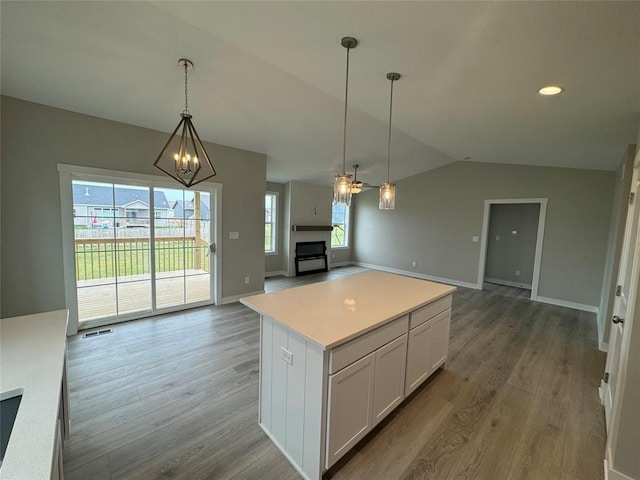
x=313, y=255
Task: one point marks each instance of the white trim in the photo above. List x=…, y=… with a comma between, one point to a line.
x=276, y=273
x=341, y=264
x=565, y=303
x=67, y=172
x=449, y=281
x=613, y=474
x=604, y=346
x=275, y=226
x=68, y=256
x=539, y=239
x=236, y=298
x=508, y=283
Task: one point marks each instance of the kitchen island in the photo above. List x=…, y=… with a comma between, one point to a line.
x=33, y=370
x=336, y=357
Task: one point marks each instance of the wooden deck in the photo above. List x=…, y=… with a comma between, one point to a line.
x=103, y=298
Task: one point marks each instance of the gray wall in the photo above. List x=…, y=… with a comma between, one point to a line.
x=508, y=253
x=275, y=263
x=35, y=138
x=438, y=212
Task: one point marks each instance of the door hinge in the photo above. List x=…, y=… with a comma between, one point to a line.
x=618, y=290
x=606, y=377
x=632, y=195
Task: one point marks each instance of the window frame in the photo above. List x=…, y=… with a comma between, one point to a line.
x=274, y=221
x=347, y=220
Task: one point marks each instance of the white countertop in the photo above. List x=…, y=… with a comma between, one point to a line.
x=333, y=312
x=32, y=353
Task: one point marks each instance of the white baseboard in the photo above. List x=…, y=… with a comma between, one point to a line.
x=604, y=346
x=407, y=273
x=277, y=273
x=601, y=390
x=341, y=264
x=613, y=474
x=507, y=283
x=236, y=298
x=564, y=303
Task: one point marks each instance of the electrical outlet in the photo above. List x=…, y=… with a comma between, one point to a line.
x=475, y=238
x=517, y=273
x=286, y=355
x=246, y=280
x=497, y=238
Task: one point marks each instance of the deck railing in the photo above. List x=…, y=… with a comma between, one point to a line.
x=98, y=258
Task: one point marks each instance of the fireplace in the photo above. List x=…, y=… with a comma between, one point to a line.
x=311, y=257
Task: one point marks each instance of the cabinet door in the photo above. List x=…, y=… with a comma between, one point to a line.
x=418, y=367
x=350, y=407
x=388, y=386
x=439, y=341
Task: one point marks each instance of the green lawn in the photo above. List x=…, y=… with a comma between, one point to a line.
x=95, y=261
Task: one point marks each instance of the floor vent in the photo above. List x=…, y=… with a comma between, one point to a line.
x=96, y=333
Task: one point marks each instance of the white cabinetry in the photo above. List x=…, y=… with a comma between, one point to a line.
x=389, y=378
x=329, y=375
x=350, y=406
x=418, y=356
x=365, y=391
x=428, y=347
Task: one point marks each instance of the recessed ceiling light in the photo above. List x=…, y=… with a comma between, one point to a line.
x=551, y=90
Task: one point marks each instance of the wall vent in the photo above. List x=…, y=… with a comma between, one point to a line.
x=96, y=333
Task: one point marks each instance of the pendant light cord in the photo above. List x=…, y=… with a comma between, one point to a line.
x=389, y=137
x=186, y=94
x=344, y=130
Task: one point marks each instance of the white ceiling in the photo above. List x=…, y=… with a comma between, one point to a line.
x=269, y=77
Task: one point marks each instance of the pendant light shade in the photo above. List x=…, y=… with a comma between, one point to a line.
x=388, y=189
x=183, y=157
x=342, y=182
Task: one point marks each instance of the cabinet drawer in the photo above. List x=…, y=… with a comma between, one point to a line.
x=429, y=311
x=348, y=353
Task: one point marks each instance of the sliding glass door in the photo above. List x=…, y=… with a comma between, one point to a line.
x=182, y=249
x=139, y=249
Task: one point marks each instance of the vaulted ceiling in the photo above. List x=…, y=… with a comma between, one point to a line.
x=269, y=77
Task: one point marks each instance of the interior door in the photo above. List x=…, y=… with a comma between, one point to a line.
x=622, y=298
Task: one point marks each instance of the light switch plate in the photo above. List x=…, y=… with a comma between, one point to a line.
x=234, y=235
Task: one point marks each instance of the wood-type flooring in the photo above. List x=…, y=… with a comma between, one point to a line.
x=176, y=397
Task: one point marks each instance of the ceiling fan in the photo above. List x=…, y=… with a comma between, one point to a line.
x=356, y=185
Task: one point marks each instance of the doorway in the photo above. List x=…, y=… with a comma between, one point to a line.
x=511, y=243
x=135, y=246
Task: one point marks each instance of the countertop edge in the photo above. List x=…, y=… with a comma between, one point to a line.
x=247, y=302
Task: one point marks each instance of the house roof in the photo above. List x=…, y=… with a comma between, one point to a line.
x=269, y=77
x=102, y=196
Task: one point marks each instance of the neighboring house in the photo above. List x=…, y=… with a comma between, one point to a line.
x=186, y=209
x=98, y=206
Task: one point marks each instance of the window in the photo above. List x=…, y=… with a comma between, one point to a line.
x=270, y=228
x=340, y=222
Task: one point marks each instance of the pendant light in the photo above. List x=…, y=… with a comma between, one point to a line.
x=342, y=183
x=183, y=157
x=388, y=189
